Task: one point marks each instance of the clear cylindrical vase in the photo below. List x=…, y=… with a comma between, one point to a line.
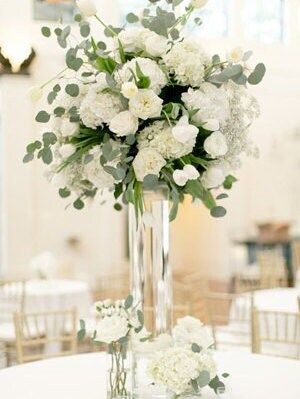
x=119, y=377
x=151, y=277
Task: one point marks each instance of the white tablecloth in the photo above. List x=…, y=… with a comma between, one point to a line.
x=277, y=299
x=49, y=295
x=83, y=376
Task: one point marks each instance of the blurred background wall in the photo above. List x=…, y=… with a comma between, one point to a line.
x=93, y=241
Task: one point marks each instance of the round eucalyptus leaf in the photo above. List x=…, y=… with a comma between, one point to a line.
x=72, y=89
x=46, y=31
x=42, y=117
x=218, y=212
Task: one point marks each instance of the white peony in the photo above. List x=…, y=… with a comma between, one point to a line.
x=149, y=68
x=124, y=123
x=215, y=145
x=35, y=93
x=147, y=162
x=98, y=107
x=175, y=368
x=213, y=177
x=184, y=131
x=146, y=104
x=190, y=330
x=156, y=45
x=211, y=125
x=67, y=128
x=87, y=7
x=198, y=3
x=129, y=90
x=66, y=150
x=187, y=61
x=111, y=329
x=159, y=137
x=211, y=101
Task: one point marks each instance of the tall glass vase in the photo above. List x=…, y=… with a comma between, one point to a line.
x=151, y=277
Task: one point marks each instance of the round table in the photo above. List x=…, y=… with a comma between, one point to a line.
x=50, y=295
x=83, y=376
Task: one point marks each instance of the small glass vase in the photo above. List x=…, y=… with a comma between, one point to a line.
x=119, y=373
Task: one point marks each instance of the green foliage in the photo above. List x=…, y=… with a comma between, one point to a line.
x=42, y=117
x=64, y=192
x=196, y=348
x=46, y=31
x=257, y=75
x=73, y=62
x=59, y=111
x=128, y=302
x=85, y=29
x=118, y=207
x=215, y=383
x=78, y=204
x=204, y=379
x=82, y=332
x=72, y=89
x=132, y=18
x=218, y=212
x=228, y=183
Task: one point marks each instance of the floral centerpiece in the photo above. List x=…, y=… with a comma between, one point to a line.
x=147, y=106
x=117, y=324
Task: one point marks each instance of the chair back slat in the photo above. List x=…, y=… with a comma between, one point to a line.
x=12, y=298
x=36, y=331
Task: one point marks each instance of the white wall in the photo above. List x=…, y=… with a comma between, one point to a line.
x=35, y=218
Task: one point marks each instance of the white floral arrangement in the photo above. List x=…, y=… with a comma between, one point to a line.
x=188, y=366
x=149, y=106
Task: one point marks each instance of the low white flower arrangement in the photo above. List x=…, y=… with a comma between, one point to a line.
x=148, y=106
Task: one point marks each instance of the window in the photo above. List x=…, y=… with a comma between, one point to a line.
x=215, y=17
x=264, y=20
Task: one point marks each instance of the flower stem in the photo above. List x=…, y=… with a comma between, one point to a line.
x=55, y=77
x=106, y=26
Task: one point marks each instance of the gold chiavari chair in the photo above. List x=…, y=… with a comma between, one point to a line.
x=12, y=299
x=296, y=258
x=44, y=335
x=276, y=333
x=229, y=317
x=272, y=268
x=244, y=284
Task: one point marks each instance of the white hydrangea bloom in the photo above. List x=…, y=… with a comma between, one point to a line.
x=215, y=145
x=159, y=137
x=148, y=161
x=175, y=368
x=66, y=101
x=94, y=172
x=187, y=61
x=211, y=101
x=149, y=68
x=98, y=107
x=207, y=363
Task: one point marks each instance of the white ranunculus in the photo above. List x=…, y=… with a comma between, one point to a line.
x=129, y=89
x=147, y=162
x=111, y=329
x=213, y=177
x=191, y=172
x=236, y=54
x=184, y=131
x=198, y=3
x=156, y=45
x=180, y=177
x=66, y=150
x=146, y=104
x=87, y=7
x=215, y=145
x=124, y=123
x=190, y=330
x=68, y=128
x=35, y=93
x=212, y=125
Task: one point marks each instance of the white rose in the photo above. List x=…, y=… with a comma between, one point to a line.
x=190, y=330
x=198, y=3
x=183, y=131
x=68, y=128
x=147, y=162
x=87, y=7
x=124, y=123
x=35, y=93
x=111, y=329
x=180, y=177
x=213, y=177
x=146, y=104
x=156, y=45
x=215, y=145
x=211, y=124
x=236, y=55
x=129, y=90
x=66, y=150
x=130, y=38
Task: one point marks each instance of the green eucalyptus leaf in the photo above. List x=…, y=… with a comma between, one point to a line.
x=59, y=111
x=228, y=183
x=132, y=18
x=118, y=207
x=42, y=117
x=128, y=302
x=28, y=157
x=49, y=138
x=203, y=379
x=257, y=75
x=51, y=97
x=78, y=204
x=218, y=212
x=85, y=29
x=46, y=31
x=47, y=156
x=196, y=348
x=64, y=192
x=72, y=89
